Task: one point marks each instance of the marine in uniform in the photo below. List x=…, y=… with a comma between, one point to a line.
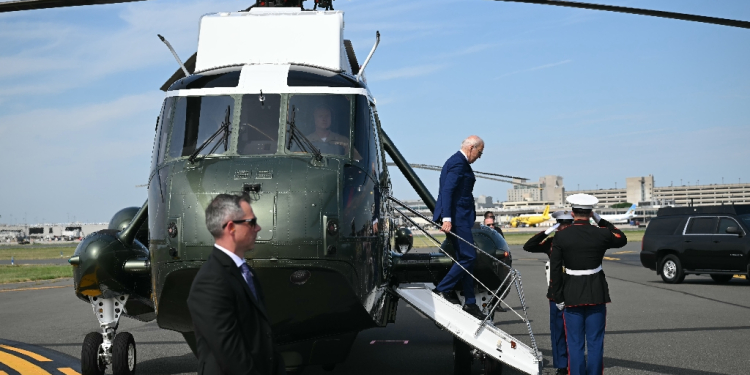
x=578, y=284
x=541, y=243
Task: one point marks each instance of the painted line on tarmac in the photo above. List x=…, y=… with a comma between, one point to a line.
x=610, y=258
x=38, y=288
x=624, y=252
x=26, y=359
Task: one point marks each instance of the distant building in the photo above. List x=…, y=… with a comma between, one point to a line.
x=549, y=190
x=641, y=190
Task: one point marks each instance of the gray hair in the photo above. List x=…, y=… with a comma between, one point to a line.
x=222, y=209
x=472, y=140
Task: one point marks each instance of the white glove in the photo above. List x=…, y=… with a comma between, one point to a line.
x=560, y=306
x=596, y=217
x=551, y=229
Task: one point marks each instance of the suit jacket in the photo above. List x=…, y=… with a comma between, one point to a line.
x=455, y=199
x=581, y=246
x=232, y=330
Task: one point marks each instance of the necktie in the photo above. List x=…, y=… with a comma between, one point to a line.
x=249, y=279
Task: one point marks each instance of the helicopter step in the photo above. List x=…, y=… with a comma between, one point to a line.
x=490, y=342
x=108, y=348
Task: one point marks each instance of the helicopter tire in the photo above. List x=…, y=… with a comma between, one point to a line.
x=90, y=361
x=491, y=366
x=461, y=357
x=123, y=354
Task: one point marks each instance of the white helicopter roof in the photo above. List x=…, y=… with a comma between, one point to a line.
x=272, y=36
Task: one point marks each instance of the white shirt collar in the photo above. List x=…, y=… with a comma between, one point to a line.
x=237, y=260
x=462, y=153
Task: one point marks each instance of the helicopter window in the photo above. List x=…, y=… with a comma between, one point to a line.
x=309, y=76
x=325, y=120
x=362, y=133
x=259, y=124
x=197, y=118
x=198, y=81
x=376, y=130
x=160, y=139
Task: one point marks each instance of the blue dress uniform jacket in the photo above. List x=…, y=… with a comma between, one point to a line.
x=232, y=329
x=581, y=246
x=455, y=198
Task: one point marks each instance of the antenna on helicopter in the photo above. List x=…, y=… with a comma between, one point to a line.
x=367, y=60
x=184, y=69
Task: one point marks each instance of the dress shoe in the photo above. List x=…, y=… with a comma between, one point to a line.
x=448, y=296
x=562, y=371
x=474, y=311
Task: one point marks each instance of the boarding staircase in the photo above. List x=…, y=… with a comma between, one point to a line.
x=487, y=340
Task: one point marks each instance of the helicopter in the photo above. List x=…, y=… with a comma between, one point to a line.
x=238, y=125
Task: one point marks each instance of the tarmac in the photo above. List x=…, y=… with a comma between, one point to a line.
x=697, y=327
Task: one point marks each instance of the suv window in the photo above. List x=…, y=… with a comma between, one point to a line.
x=725, y=223
x=665, y=226
x=701, y=225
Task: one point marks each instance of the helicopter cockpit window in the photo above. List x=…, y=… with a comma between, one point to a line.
x=162, y=127
x=259, y=124
x=196, y=119
x=325, y=120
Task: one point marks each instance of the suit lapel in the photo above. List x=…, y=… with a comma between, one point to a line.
x=235, y=272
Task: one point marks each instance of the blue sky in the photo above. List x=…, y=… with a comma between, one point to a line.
x=594, y=97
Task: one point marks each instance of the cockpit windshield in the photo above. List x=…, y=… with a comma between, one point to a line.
x=196, y=119
x=325, y=120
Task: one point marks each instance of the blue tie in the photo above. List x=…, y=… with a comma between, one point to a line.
x=249, y=279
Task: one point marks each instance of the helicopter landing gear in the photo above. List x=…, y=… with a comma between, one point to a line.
x=108, y=347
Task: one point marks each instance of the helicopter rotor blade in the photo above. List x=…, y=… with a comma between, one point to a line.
x=640, y=12
x=478, y=174
x=16, y=5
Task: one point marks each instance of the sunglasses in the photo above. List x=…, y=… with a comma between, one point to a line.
x=252, y=222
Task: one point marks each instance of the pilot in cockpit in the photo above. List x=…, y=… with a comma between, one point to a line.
x=323, y=137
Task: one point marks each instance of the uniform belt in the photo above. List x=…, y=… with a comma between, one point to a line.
x=583, y=272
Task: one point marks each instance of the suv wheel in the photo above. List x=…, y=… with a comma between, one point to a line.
x=671, y=270
x=722, y=279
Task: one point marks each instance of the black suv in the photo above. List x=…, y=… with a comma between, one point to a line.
x=698, y=240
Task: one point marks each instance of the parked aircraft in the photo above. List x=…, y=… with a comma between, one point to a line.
x=532, y=220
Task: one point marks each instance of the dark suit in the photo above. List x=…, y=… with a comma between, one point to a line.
x=455, y=200
x=232, y=330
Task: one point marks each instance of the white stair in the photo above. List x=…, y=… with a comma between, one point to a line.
x=490, y=340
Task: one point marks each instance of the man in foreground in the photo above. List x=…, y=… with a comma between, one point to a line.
x=232, y=329
x=581, y=287
x=455, y=209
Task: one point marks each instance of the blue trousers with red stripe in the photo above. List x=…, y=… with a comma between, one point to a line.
x=557, y=334
x=584, y=329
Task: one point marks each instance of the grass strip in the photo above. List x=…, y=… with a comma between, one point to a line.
x=33, y=272
x=29, y=253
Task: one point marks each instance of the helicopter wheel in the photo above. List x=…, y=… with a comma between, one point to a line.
x=461, y=357
x=491, y=366
x=91, y=362
x=123, y=354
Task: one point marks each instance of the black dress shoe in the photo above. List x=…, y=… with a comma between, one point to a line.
x=448, y=296
x=474, y=311
x=562, y=371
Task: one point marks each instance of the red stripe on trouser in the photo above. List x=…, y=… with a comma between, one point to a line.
x=565, y=325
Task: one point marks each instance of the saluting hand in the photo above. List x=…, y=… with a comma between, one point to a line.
x=446, y=227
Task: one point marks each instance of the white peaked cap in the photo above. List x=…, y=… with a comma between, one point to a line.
x=582, y=201
x=562, y=215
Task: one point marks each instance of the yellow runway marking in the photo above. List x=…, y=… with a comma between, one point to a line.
x=68, y=371
x=39, y=288
x=20, y=365
x=624, y=252
x=608, y=258
x=3, y=373
x=740, y=277
x=36, y=357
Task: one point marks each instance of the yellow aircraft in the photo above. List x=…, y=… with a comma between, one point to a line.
x=531, y=220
